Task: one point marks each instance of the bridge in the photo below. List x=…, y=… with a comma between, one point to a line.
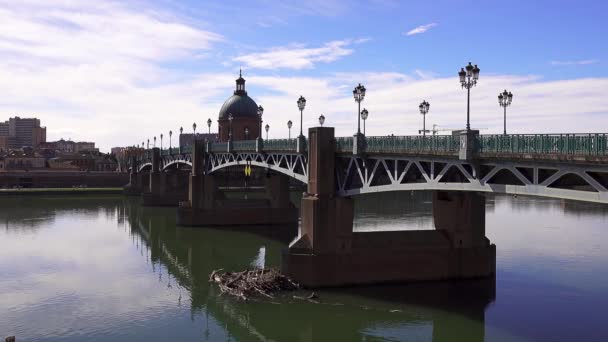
x=568, y=166
x=457, y=168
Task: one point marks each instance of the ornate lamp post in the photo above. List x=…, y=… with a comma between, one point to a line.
x=359, y=95
x=321, y=120
x=170, y=134
x=181, y=131
x=260, y=113
x=289, y=124
x=161, y=142
x=504, y=100
x=194, y=129
x=209, y=124
x=230, y=118
x=468, y=79
x=301, y=106
x=364, y=114
x=148, y=145
x=424, y=108
x=267, y=129
x=155, y=141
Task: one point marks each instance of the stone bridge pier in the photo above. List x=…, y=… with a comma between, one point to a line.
x=138, y=181
x=328, y=253
x=165, y=188
x=207, y=205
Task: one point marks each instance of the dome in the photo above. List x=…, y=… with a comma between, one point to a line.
x=240, y=106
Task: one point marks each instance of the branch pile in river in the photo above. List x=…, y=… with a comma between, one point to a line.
x=251, y=283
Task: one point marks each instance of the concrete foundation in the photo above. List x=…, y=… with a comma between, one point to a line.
x=208, y=207
x=171, y=190
x=329, y=253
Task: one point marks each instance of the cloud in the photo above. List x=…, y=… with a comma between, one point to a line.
x=420, y=29
x=95, y=70
x=392, y=99
x=581, y=62
x=298, y=56
x=111, y=73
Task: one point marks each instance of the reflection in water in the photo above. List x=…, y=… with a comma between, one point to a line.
x=107, y=269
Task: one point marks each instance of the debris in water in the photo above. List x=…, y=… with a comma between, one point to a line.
x=250, y=283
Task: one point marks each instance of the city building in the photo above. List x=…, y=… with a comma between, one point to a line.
x=186, y=139
x=21, y=132
x=245, y=123
x=70, y=146
x=4, y=144
x=23, y=159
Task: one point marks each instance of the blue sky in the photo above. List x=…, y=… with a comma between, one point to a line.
x=120, y=72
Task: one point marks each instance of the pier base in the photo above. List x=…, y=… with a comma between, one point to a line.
x=208, y=207
x=389, y=257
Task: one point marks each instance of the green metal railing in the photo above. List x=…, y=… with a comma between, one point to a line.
x=219, y=147
x=594, y=144
x=565, y=144
x=285, y=145
x=413, y=144
x=344, y=144
x=244, y=145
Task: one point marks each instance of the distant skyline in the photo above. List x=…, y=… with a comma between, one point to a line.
x=118, y=73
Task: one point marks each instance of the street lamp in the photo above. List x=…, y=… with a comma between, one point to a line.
x=321, y=120
x=194, y=129
x=170, y=134
x=148, y=145
x=424, y=108
x=364, y=114
x=230, y=118
x=301, y=105
x=260, y=113
x=209, y=124
x=161, y=142
x=468, y=79
x=181, y=131
x=155, y=141
x=504, y=100
x=267, y=129
x=359, y=95
x=246, y=133
x=289, y=124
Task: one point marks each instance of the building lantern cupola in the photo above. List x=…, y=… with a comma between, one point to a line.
x=240, y=85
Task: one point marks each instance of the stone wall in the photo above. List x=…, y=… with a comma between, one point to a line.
x=62, y=179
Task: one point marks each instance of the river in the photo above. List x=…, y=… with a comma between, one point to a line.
x=103, y=268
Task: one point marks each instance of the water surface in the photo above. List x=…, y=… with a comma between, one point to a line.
x=106, y=269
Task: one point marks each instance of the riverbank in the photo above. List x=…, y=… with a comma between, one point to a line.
x=61, y=191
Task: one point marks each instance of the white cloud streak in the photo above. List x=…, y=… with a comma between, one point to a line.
x=580, y=62
x=298, y=56
x=420, y=29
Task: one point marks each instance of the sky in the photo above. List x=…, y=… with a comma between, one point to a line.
x=121, y=72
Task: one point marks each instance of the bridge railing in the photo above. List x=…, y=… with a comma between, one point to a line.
x=344, y=144
x=413, y=144
x=218, y=147
x=594, y=144
x=244, y=145
x=283, y=145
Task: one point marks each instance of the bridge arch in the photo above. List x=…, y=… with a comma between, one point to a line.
x=293, y=165
x=357, y=176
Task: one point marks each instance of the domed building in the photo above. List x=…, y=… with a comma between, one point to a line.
x=244, y=112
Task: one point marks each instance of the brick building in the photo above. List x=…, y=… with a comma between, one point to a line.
x=21, y=132
x=245, y=123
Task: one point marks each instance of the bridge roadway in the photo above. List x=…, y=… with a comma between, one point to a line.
x=568, y=166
